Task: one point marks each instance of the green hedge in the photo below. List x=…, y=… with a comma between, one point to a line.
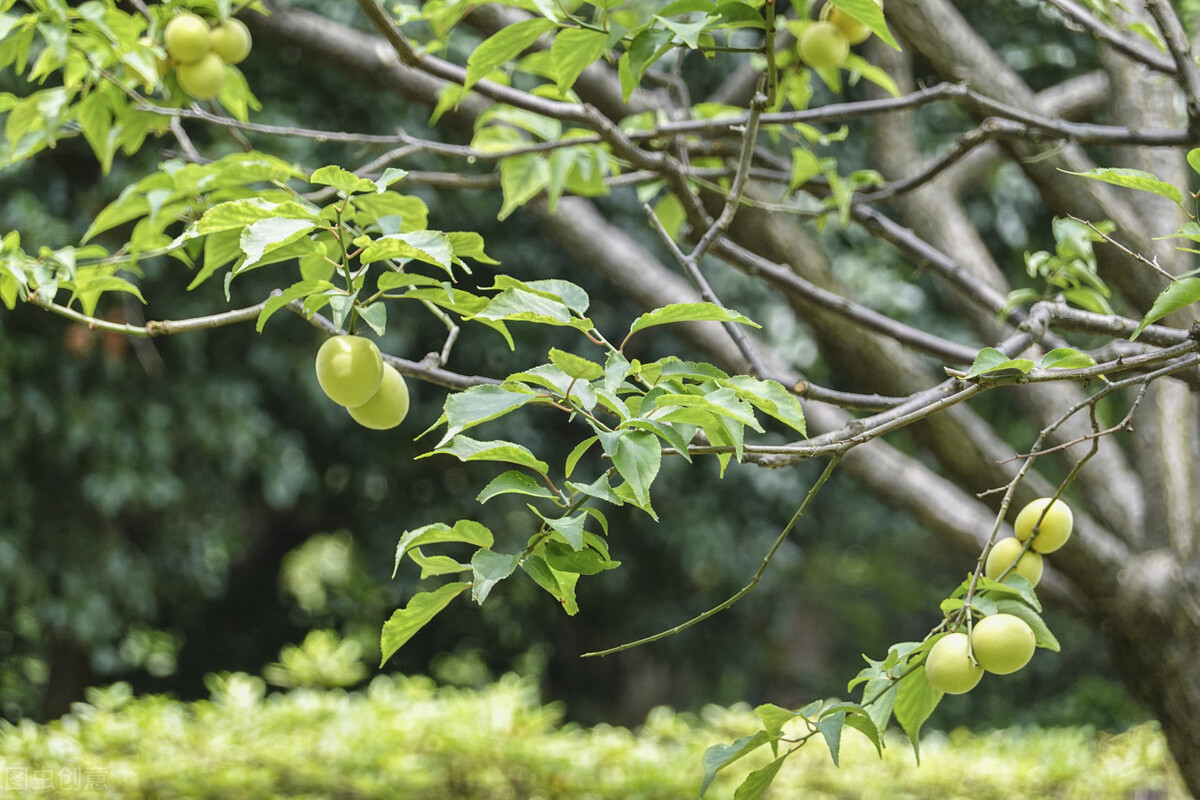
x=403, y=738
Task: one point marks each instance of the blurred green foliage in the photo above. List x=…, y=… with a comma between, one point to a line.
x=190, y=505
x=406, y=737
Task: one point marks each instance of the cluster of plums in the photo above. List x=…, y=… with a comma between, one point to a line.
x=352, y=373
x=825, y=44
x=200, y=53
x=1001, y=643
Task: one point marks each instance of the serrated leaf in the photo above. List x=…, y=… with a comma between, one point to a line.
x=577, y=453
x=296, y=291
x=490, y=568
x=466, y=449
x=688, y=312
x=771, y=398
x=479, y=404
x=240, y=213
x=599, y=489
x=722, y=403
x=513, y=482
x=405, y=622
x=915, y=701
x=431, y=247
x=774, y=717
x=465, y=531
x=1133, y=179
x=1067, y=358
x=831, y=728
x=992, y=360
x=1176, y=296
x=259, y=238
x=858, y=718
x=389, y=176
x=586, y=561
x=637, y=456
x=468, y=244
x=504, y=46
x=759, y=781
x=573, y=50
x=577, y=367
x=719, y=756
x=436, y=565
x=522, y=177
x=343, y=180
x=522, y=306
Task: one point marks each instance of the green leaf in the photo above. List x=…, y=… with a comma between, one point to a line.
x=1133, y=179
x=389, y=176
x=466, y=449
x=719, y=756
x=477, y=405
x=263, y=236
x=344, y=181
x=858, y=718
x=521, y=178
x=774, y=717
x=599, y=489
x=468, y=244
x=688, y=312
x=490, y=568
x=1176, y=296
x=464, y=531
x=575, y=366
x=405, y=622
x=587, y=561
x=570, y=528
x=771, y=398
x=1067, y=358
x=830, y=727
x=240, y=213
x=1041, y=631
x=573, y=50
x=431, y=247
x=296, y=291
x=513, y=482
x=915, y=701
x=504, y=46
x=759, y=781
x=722, y=402
x=436, y=565
x=577, y=453
x=992, y=360
x=522, y=306
x=1193, y=159
x=637, y=456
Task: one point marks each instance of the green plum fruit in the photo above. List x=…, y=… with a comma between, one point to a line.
x=202, y=79
x=388, y=407
x=231, y=41
x=1005, y=552
x=187, y=38
x=856, y=31
x=949, y=667
x=1002, y=643
x=1054, y=529
x=823, y=45
x=349, y=369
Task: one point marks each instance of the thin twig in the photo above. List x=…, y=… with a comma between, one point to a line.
x=1152, y=263
x=745, y=590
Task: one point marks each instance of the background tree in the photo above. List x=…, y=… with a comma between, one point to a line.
x=750, y=180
